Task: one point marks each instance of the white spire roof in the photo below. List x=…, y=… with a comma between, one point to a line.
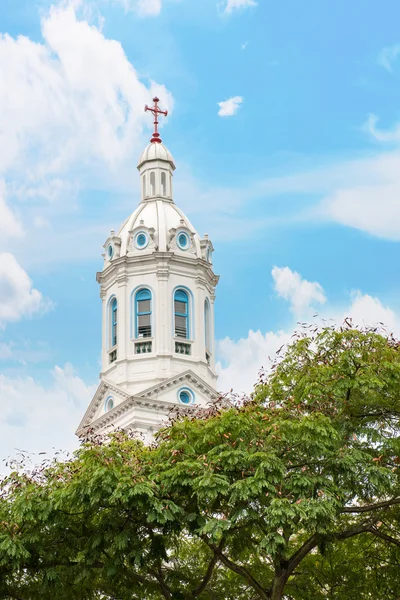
x=156, y=151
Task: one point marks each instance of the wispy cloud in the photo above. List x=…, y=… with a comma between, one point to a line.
x=244, y=45
x=10, y=226
x=388, y=56
x=229, y=107
x=232, y=5
x=144, y=8
x=381, y=135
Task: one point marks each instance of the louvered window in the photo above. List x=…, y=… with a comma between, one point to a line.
x=143, y=314
x=114, y=323
x=163, y=184
x=181, y=308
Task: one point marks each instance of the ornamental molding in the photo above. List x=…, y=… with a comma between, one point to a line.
x=104, y=388
x=173, y=245
x=152, y=244
x=109, y=418
x=144, y=399
x=186, y=376
x=178, y=264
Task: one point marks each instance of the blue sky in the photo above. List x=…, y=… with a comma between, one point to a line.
x=285, y=127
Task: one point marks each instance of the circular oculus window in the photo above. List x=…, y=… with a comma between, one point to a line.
x=109, y=404
x=183, y=240
x=141, y=240
x=110, y=251
x=186, y=396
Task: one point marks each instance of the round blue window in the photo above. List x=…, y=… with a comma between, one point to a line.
x=183, y=240
x=141, y=240
x=110, y=252
x=186, y=396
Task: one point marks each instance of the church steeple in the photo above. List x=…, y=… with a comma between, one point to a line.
x=158, y=292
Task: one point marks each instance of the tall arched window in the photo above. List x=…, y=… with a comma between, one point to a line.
x=144, y=186
x=143, y=313
x=207, y=324
x=181, y=310
x=153, y=183
x=114, y=323
x=163, y=184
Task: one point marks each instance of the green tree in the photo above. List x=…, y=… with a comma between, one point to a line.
x=282, y=496
x=361, y=567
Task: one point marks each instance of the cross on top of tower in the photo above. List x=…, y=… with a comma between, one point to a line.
x=156, y=111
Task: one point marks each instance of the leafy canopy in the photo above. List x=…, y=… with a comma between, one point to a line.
x=284, y=495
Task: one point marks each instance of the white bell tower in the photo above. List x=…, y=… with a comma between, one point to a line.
x=158, y=289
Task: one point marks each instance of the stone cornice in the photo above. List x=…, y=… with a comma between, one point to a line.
x=177, y=379
x=145, y=398
x=159, y=261
x=101, y=391
x=124, y=407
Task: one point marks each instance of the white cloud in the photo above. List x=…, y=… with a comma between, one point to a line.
x=244, y=46
x=25, y=352
x=37, y=418
x=362, y=193
x=229, y=107
x=74, y=101
x=144, y=8
x=232, y=5
x=41, y=223
x=242, y=360
x=302, y=294
x=5, y=351
x=18, y=298
x=375, y=210
x=388, y=56
x=367, y=311
x=9, y=224
x=369, y=199
x=149, y=7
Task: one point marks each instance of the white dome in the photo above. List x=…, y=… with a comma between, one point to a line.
x=156, y=151
x=159, y=218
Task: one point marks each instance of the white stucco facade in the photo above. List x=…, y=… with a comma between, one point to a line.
x=157, y=289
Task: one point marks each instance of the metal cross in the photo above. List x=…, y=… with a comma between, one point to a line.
x=156, y=111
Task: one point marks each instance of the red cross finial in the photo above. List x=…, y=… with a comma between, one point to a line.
x=156, y=111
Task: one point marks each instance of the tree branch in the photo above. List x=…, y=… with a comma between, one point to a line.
x=384, y=536
x=201, y=587
x=344, y=535
x=370, y=507
x=165, y=590
x=301, y=553
x=238, y=569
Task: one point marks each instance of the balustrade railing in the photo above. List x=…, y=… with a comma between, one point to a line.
x=143, y=347
x=183, y=348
